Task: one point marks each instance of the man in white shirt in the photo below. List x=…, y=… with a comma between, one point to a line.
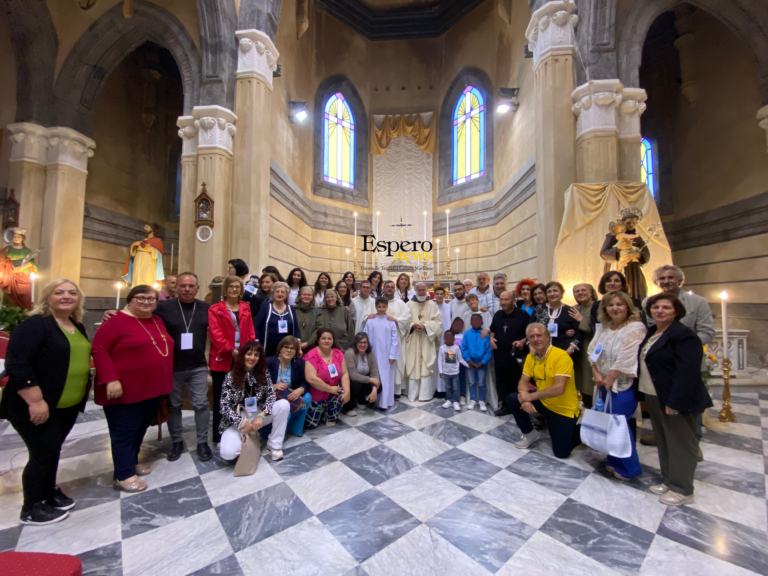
x=458, y=305
x=483, y=287
x=364, y=305
x=399, y=311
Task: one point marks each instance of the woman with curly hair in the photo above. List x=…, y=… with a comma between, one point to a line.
x=249, y=380
x=322, y=284
x=523, y=293
x=296, y=281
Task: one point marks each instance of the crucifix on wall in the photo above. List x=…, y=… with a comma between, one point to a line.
x=401, y=226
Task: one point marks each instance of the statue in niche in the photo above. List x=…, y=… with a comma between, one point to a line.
x=624, y=250
x=17, y=262
x=144, y=264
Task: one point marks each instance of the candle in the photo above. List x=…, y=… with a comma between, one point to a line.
x=347, y=258
x=438, y=256
x=172, y=247
x=447, y=228
x=457, y=262
x=354, y=244
x=377, y=223
x=365, y=260
x=117, y=302
x=32, y=277
x=724, y=304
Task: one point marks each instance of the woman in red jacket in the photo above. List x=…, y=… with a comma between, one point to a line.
x=133, y=354
x=230, y=323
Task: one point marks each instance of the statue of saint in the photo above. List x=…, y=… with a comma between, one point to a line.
x=144, y=264
x=626, y=251
x=16, y=264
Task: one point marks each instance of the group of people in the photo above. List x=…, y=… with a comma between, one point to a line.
x=286, y=356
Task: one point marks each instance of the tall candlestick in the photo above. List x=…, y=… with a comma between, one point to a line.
x=457, y=262
x=172, y=247
x=438, y=256
x=365, y=260
x=117, y=302
x=32, y=278
x=355, y=242
x=347, y=258
x=447, y=228
x=726, y=414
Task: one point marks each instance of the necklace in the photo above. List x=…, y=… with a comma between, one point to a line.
x=153, y=338
x=326, y=360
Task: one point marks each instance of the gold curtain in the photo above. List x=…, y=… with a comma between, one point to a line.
x=403, y=125
x=589, y=209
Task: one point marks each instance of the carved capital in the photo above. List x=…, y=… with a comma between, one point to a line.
x=188, y=134
x=30, y=142
x=215, y=127
x=631, y=108
x=596, y=106
x=257, y=57
x=762, y=116
x=69, y=147
x=552, y=30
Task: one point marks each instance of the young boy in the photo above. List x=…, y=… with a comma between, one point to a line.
x=474, y=308
x=457, y=327
x=382, y=338
x=476, y=350
x=449, y=360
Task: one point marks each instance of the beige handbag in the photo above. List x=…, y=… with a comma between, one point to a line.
x=250, y=453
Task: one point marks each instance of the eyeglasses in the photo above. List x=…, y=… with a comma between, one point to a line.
x=144, y=300
x=288, y=349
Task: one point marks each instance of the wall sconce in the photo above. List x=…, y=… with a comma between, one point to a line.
x=527, y=53
x=298, y=112
x=507, y=100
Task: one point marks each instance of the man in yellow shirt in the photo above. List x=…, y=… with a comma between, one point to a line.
x=551, y=369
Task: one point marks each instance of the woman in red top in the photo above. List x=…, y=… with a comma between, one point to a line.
x=230, y=323
x=326, y=373
x=134, y=365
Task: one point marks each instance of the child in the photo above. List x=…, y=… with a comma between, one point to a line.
x=449, y=360
x=457, y=327
x=382, y=339
x=619, y=229
x=474, y=308
x=476, y=350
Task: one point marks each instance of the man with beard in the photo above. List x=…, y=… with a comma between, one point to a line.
x=421, y=345
x=459, y=306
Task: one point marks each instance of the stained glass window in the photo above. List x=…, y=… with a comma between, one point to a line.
x=469, y=136
x=339, y=142
x=646, y=165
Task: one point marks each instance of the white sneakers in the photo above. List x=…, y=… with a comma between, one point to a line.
x=447, y=404
x=463, y=401
x=483, y=407
x=456, y=407
x=274, y=454
x=527, y=440
x=472, y=405
x=658, y=489
x=351, y=413
x=675, y=499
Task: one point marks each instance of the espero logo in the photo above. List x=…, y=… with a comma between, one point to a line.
x=400, y=250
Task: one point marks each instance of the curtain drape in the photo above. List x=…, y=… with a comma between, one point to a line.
x=589, y=209
x=420, y=127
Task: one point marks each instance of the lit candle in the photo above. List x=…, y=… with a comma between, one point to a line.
x=117, y=302
x=457, y=262
x=438, y=256
x=724, y=304
x=32, y=277
x=354, y=244
x=347, y=258
x=156, y=286
x=447, y=228
x=377, y=223
x=172, y=247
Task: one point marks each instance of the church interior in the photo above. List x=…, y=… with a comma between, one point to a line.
x=508, y=134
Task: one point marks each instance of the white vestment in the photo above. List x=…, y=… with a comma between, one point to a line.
x=382, y=335
x=445, y=316
x=363, y=309
x=399, y=310
x=421, y=351
x=458, y=307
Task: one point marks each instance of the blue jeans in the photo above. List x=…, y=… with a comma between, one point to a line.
x=624, y=403
x=463, y=380
x=476, y=377
x=452, y=386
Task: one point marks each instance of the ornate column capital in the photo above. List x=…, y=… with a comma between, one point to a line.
x=552, y=30
x=256, y=55
x=215, y=126
x=631, y=108
x=762, y=116
x=596, y=106
x=188, y=134
x=30, y=142
x=68, y=147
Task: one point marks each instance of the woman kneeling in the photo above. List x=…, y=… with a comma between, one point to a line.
x=249, y=379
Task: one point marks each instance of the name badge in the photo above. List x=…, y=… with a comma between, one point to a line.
x=250, y=289
x=282, y=326
x=596, y=354
x=597, y=326
x=333, y=371
x=186, y=341
x=552, y=328
x=251, y=408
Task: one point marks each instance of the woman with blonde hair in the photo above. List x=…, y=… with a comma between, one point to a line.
x=48, y=365
x=585, y=295
x=613, y=356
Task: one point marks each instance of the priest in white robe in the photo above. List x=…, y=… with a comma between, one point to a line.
x=401, y=315
x=365, y=306
x=445, y=316
x=382, y=336
x=420, y=345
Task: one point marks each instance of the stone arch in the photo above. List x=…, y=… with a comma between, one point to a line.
x=218, y=24
x=261, y=15
x=105, y=44
x=747, y=19
x=35, y=46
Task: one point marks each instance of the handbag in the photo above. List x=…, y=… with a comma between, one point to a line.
x=250, y=452
x=296, y=405
x=606, y=432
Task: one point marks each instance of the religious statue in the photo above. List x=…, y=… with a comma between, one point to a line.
x=624, y=248
x=144, y=264
x=16, y=264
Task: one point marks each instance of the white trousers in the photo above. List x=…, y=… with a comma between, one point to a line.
x=230, y=445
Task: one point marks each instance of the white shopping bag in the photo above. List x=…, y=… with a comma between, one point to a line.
x=606, y=432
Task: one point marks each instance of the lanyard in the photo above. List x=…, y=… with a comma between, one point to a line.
x=556, y=316
x=237, y=327
x=183, y=319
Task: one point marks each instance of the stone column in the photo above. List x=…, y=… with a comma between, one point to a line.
x=686, y=48
x=762, y=116
x=188, y=132
x=257, y=58
x=631, y=108
x=64, y=204
x=552, y=39
x=597, y=145
x=27, y=176
x=216, y=127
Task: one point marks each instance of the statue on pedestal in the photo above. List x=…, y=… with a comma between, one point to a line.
x=624, y=250
x=144, y=264
x=16, y=264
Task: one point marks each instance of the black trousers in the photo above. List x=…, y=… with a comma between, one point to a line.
x=127, y=425
x=358, y=393
x=507, y=378
x=218, y=381
x=562, y=429
x=44, y=443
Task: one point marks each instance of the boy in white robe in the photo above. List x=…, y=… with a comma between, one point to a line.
x=382, y=335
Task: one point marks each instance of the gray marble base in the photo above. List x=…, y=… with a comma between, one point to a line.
x=385, y=429
x=463, y=469
x=731, y=478
x=378, y=464
x=548, y=472
x=450, y=432
x=301, y=459
x=91, y=491
x=104, y=561
x=508, y=432
x=743, y=443
x=437, y=409
x=9, y=537
x=227, y=567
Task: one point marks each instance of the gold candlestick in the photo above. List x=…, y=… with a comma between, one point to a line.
x=726, y=414
x=448, y=262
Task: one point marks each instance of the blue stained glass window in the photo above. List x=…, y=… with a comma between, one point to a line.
x=468, y=136
x=646, y=165
x=339, y=142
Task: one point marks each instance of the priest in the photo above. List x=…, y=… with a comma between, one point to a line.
x=365, y=306
x=420, y=345
x=397, y=310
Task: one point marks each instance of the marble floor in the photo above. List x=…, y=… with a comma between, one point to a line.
x=416, y=490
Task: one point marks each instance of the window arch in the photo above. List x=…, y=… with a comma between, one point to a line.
x=339, y=142
x=646, y=166
x=468, y=136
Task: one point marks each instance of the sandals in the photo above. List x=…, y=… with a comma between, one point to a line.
x=143, y=470
x=135, y=486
